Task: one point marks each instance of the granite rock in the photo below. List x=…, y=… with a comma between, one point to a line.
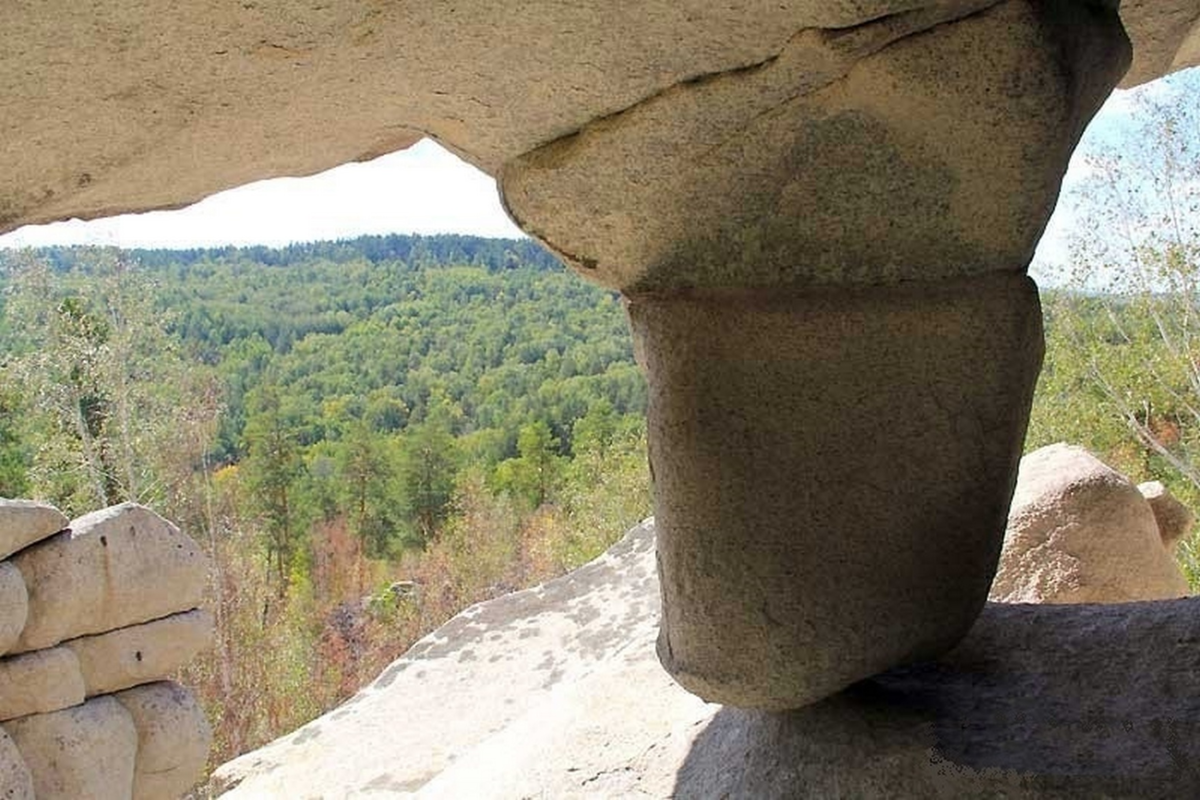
x=114, y=568
x=1080, y=532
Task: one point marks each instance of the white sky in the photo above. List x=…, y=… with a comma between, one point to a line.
x=424, y=189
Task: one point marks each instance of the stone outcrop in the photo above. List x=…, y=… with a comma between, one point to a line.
x=1080, y=532
x=107, y=610
x=23, y=522
x=556, y=692
x=113, y=568
x=41, y=681
x=85, y=751
x=15, y=781
x=173, y=738
x=886, y=165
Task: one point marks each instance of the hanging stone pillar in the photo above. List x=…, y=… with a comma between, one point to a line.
x=823, y=257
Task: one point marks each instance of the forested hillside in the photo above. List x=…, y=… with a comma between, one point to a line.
x=367, y=435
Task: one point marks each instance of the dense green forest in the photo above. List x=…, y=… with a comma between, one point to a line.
x=370, y=435
x=462, y=342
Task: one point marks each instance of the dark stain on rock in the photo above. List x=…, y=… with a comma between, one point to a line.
x=390, y=674
x=307, y=735
x=392, y=783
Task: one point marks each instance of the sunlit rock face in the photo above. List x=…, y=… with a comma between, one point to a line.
x=556, y=692
x=1081, y=532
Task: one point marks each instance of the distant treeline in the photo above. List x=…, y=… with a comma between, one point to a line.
x=418, y=251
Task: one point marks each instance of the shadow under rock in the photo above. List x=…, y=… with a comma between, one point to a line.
x=1038, y=701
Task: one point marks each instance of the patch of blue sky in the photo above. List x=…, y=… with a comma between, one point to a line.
x=1121, y=125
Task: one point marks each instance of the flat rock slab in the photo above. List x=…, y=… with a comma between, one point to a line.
x=464, y=683
x=556, y=692
x=162, y=102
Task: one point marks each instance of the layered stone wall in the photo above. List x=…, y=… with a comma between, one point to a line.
x=95, y=615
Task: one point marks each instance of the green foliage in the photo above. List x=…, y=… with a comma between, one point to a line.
x=1122, y=372
x=438, y=364
x=14, y=458
x=455, y=416
x=534, y=475
x=271, y=471
x=99, y=381
x=427, y=473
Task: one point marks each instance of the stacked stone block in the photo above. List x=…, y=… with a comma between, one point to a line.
x=95, y=615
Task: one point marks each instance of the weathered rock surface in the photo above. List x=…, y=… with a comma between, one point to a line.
x=817, y=252
x=1173, y=517
x=14, y=605
x=23, y=522
x=87, y=751
x=114, y=568
x=123, y=564
x=471, y=678
x=15, y=781
x=751, y=399
x=141, y=654
x=173, y=739
x=162, y=103
x=39, y=682
x=1036, y=702
x=1080, y=532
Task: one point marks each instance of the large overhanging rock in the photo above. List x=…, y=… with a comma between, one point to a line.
x=905, y=149
x=128, y=106
x=823, y=257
